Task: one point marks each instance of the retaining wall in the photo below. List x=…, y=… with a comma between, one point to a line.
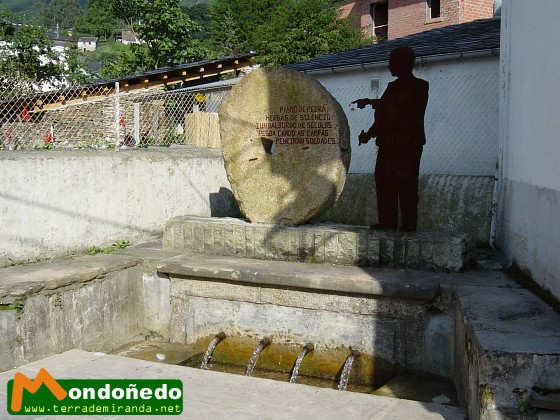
x=55, y=202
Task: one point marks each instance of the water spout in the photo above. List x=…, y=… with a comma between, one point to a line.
x=306, y=349
x=260, y=347
x=208, y=353
x=346, y=370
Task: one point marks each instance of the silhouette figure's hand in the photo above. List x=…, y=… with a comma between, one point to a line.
x=363, y=137
x=361, y=103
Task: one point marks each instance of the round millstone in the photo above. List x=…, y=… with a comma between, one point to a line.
x=286, y=146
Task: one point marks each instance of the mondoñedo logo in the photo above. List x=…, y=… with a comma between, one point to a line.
x=45, y=395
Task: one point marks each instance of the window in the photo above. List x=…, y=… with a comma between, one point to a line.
x=379, y=13
x=433, y=9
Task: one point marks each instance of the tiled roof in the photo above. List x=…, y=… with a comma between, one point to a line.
x=87, y=39
x=475, y=36
x=189, y=74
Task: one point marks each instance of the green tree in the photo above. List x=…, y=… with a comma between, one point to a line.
x=166, y=34
x=28, y=61
x=127, y=10
x=99, y=20
x=302, y=29
x=200, y=14
x=117, y=62
x=233, y=23
x=62, y=13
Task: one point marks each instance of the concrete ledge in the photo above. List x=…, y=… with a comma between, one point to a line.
x=295, y=275
x=508, y=346
x=20, y=282
x=319, y=243
x=92, y=302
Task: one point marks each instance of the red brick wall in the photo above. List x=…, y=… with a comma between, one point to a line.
x=407, y=17
x=475, y=9
x=359, y=9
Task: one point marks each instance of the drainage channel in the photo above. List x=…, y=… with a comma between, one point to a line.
x=343, y=369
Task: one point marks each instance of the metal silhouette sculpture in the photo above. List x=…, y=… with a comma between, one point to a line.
x=400, y=136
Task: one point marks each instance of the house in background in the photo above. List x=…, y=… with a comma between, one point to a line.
x=129, y=37
x=389, y=19
x=87, y=43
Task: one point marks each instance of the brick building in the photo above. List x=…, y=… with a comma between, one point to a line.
x=389, y=19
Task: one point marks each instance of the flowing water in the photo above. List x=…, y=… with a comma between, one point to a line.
x=208, y=353
x=322, y=368
x=251, y=365
x=306, y=349
x=345, y=375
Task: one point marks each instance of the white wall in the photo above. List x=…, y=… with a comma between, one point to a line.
x=56, y=201
x=529, y=207
x=461, y=118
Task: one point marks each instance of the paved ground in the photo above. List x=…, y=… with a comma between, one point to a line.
x=216, y=395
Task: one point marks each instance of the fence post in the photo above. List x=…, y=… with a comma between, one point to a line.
x=137, y=123
x=117, y=116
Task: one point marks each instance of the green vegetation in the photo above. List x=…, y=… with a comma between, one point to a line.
x=16, y=263
x=94, y=250
x=308, y=28
x=60, y=12
x=98, y=20
x=31, y=8
x=281, y=32
x=28, y=60
x=17, y=306
x=171, y=32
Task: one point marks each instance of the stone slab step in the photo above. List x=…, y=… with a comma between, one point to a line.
x=320, y=243
x=512, y=347
x=18, y=282
x=401, y=284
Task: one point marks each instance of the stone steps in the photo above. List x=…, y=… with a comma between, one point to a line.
x=506, y=341
x=320, y=243
x=507, y=349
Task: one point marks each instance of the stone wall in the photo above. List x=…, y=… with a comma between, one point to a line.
x=55, y=202
x=449, y=203
x=94, y=304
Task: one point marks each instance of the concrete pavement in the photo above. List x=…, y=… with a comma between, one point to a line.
x=215, y=395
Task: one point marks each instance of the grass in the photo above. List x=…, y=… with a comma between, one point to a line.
x=94, y=250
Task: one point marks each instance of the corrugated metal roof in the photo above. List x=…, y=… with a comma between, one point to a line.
x=475, y=36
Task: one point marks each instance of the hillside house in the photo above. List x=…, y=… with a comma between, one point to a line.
x=87, y=43
x=129, y=37
x=390, y=19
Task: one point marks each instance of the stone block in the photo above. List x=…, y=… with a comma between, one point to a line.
x=320, y=243
x=507, y=346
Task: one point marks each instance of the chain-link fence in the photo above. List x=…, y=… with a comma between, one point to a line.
x=78, y=117
x=183, y=116
x=108, y=116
